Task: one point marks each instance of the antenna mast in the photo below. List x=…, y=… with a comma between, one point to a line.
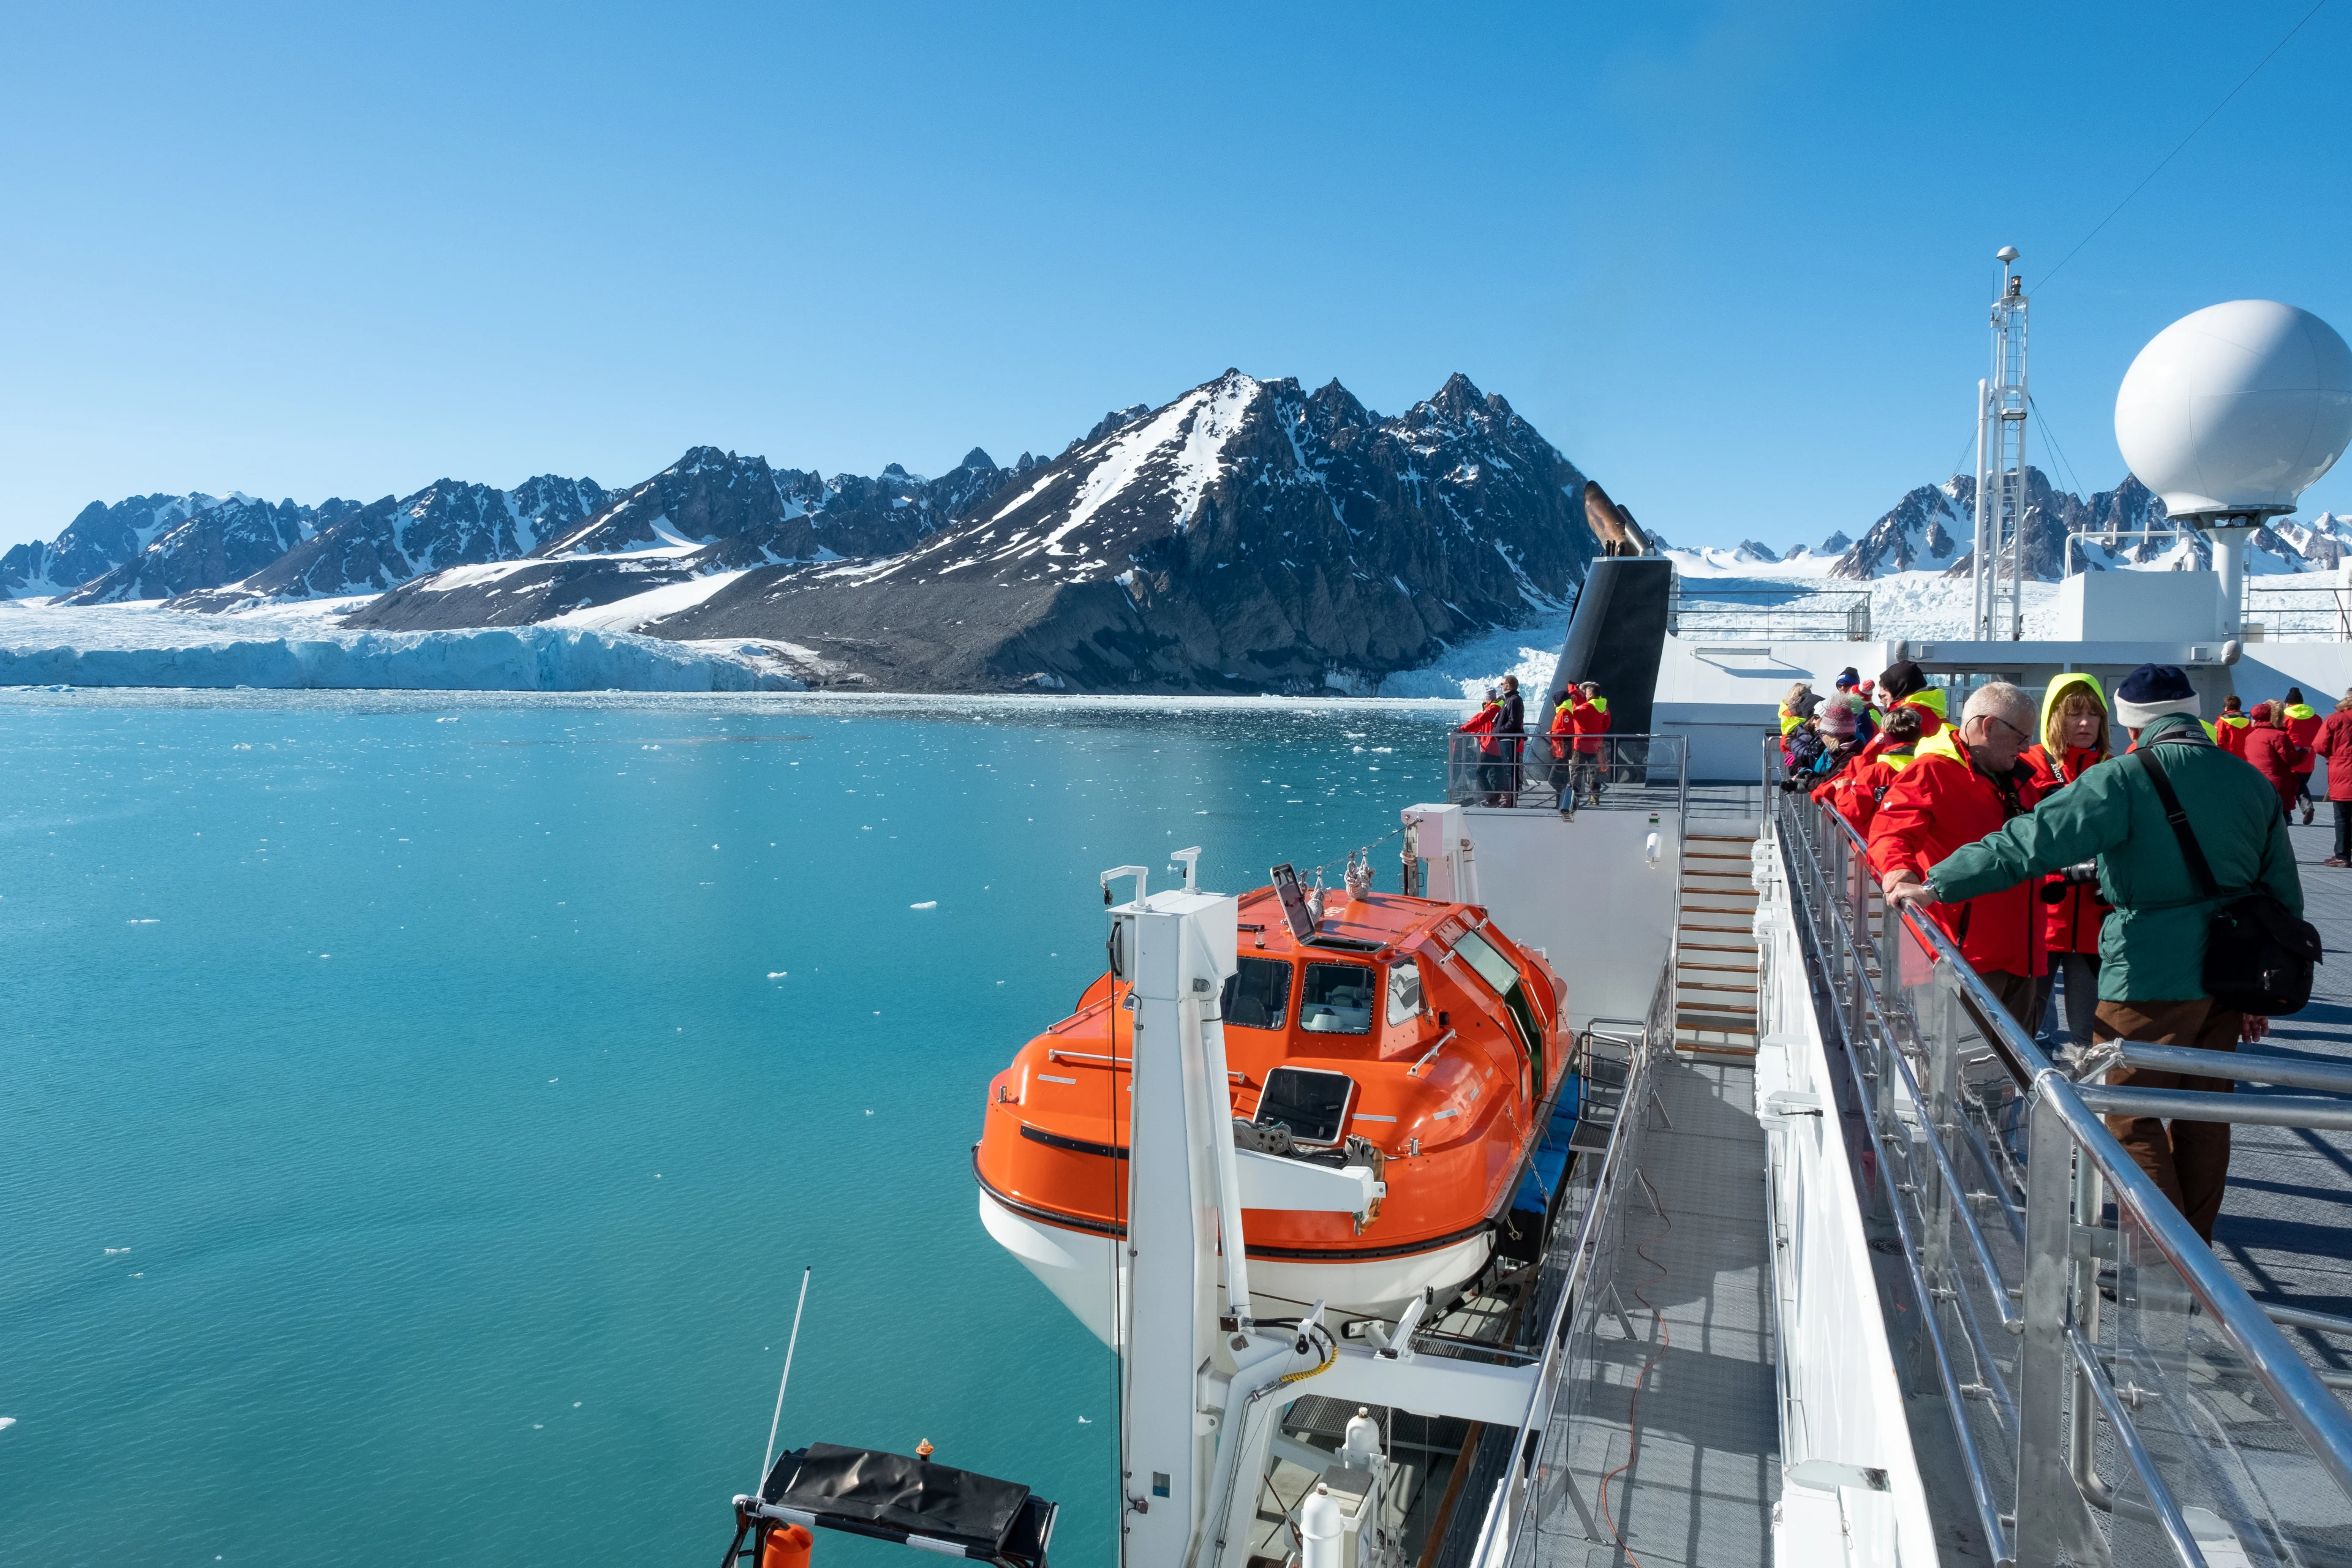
x=1998, y=564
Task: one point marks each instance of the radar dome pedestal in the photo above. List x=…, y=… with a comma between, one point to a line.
x=2230, y=414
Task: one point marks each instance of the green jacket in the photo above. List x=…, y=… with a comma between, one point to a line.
x=2152, y=947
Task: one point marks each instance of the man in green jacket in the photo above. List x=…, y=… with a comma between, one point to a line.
x=2152, y=946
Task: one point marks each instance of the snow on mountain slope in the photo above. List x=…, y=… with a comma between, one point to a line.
x=388, y=542
x=184, y=542
x=1247, y=536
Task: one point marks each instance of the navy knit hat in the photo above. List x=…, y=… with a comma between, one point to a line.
x=1848, y=679
x=2150, y=692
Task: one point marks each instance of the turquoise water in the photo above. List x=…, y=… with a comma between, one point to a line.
x=418, y=1110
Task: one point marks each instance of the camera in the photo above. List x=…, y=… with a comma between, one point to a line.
x=2081, y=874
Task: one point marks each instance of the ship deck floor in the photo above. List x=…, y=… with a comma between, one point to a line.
x=1680, y=1420
x=2285, y=1229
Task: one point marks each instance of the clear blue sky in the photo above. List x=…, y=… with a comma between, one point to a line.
x=1733, y=259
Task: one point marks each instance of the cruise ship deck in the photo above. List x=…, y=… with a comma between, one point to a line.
x=1670, y=1450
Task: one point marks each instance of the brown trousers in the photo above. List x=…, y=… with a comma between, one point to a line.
x=2189, y=1160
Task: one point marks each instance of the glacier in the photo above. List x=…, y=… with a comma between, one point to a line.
x=304, y=647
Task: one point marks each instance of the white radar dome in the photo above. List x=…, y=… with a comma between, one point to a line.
x=2236, y=408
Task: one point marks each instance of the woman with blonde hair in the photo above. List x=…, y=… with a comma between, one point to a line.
x=2074, y=738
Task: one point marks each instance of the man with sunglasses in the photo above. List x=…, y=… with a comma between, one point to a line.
x=1948, y=799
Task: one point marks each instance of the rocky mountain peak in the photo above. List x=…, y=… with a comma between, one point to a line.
x=979, y=461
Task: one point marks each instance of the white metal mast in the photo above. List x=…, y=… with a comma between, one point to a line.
x=1998, y=561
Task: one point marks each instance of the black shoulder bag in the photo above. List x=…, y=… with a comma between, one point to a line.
x=2258, y=955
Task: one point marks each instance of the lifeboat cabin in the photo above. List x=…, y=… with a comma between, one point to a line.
x=1406, y=1034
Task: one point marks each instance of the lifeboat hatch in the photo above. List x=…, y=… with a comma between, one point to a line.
x=1311, y=1103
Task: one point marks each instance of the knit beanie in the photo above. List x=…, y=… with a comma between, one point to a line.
x=1839, y=717
x=2152, y=691
x=1897, y=681
x=1848, y=679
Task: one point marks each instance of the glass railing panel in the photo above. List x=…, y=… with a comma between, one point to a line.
x=2246, y=1483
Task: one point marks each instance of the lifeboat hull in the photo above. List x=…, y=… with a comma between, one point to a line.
x=1076, y=1266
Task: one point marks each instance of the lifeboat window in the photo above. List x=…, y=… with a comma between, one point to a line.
x=1258, y=996
x=1311, y=1103
x=1404, y=991
x=1493, y=968
x=1336, y=1000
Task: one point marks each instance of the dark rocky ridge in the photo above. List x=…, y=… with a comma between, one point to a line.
x=389, y=541
x=1247, y=537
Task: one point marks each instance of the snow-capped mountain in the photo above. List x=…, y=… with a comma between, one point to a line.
x=756, y=515
x=148, y=547
x=215, y=541
x=388, y=542
x=1934, y=529
x=1247, y=536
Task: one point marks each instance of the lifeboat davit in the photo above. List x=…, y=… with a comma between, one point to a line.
x=1406, y=1032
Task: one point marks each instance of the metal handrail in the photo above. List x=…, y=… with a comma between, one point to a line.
x=1527, y=777
x=1509, y=1512
x=2299, y=1392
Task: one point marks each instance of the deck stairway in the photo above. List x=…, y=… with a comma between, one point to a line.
x=1714, y=973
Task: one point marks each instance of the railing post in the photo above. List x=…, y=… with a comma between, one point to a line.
x=1942, y=1108
x=2090, y=1205
x=2053, y=1525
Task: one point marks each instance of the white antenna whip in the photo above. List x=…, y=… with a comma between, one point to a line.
x=778, y=1420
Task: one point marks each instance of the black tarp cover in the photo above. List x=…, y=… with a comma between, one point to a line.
x=896, y=1492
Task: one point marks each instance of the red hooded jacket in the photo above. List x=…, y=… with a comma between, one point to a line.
x=1936, y=805
x=2229, y=730
x=2334, y=743
x=1855, y=792
x=2303, y=725
x=2072, y=924
x=2276, y=757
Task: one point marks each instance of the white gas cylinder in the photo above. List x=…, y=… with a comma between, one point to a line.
x=1321, y=1526
x=1363, y=1440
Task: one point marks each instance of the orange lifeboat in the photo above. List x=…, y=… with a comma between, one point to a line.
x=1408, y=1033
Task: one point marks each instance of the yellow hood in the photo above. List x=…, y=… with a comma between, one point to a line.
x=2057, y=689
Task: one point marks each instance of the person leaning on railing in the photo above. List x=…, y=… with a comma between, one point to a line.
x=1854, y=793
x=1946, y=799
x=2152, y=947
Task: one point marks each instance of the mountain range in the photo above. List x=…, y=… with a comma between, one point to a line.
x=1933, y=528
x=1247, y=536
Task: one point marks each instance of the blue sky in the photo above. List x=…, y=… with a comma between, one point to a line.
x=1732, y=258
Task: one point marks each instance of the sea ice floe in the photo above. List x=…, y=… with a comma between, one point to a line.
x=775, y=975
x=926, y=904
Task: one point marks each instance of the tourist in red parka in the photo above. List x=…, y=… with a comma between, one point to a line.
x=1945, y=800
x=2301, y=721
x=2336, y=742
x=1854, y=794
x=2073, y=739
x=2230, y=729
x=2273, y=753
